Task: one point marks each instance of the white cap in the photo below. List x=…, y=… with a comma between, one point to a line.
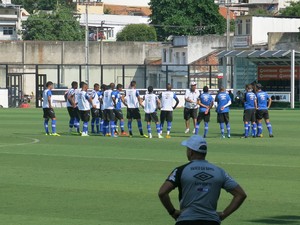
x=196, y=143
x=193, y=83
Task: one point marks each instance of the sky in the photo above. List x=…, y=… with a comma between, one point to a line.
x=128, y=2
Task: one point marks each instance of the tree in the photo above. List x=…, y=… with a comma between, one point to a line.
x=293, y=10
x=186, y=17
x=60, y=25
x=137, y=32
x=35, y=5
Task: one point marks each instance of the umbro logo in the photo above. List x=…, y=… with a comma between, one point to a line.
x=203, y=176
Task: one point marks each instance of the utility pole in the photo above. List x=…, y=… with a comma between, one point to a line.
x=87, y=72
x=101, y=42
x=226, y=59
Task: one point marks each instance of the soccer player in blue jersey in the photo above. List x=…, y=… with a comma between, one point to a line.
x=224, y=101
x=95, y=111
x=263, y=104
x=118, y=98
x=100, y=94
x=250, y=105
x=205, y=102
x=48, y=110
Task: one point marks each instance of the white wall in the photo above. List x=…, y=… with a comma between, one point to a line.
x=261, y=26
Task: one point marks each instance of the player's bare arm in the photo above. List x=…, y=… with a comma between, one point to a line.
x=164, y=197
x=239, y=197
x=158, y=103
x=71, y=100
x=49, y=102
x=269, y=102
x=141, y=101
x=90, y=99
x=176, y=104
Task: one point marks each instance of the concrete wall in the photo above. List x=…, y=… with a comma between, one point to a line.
x=199, y=46
x=284, y=41
x=28, y=52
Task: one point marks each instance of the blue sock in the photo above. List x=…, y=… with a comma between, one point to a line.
x=222, y=128
x=169, y=126
x=101, y=125
x=158, y=128
x=46, y=126
x=129, y=125
x=149, y=128
x=205, y=129
x=249, y=127
x=197, y=128
x=269, y=126
x=71, y=123
x=53, y=125
x=112, y=128
x=162, y=125
x=97, y=125
x=140, y=126
x=122, y=125
x=259, y=128
x=85, y=127
x=228, y=129
x=246, y=130
x=93, y=124
x=254, y=129
x=105, y=127
x=77, y=125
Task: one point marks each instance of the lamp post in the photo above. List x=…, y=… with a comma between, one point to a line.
x=87, y=72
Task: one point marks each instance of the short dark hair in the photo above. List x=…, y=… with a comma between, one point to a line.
x=132, y=83
x=259, y=86
x=81, y=84
x=205, y=89
x=74, y=84
x=112, y=85
x=96, y=85
x=150, y=89
x=221, y=88
x=49, y=83
x=103, y=86
x=119, y=86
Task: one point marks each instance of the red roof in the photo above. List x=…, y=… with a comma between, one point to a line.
x=223, y=12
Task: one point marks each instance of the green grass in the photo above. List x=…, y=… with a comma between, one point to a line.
x=72, y=180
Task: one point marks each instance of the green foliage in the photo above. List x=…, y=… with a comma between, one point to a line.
x=60, y=25
x=35, y=5
x=261, y=12
x=293, y=10
x=137, y=32
x=107, y=11
x=186, y=17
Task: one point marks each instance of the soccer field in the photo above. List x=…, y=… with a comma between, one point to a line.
x=73, y=180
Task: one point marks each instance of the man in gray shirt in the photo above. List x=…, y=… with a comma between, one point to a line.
x=199, y=183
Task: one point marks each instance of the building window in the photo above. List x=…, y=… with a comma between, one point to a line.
x=183, y=58
x=170, y=56
x=179, y=85
x=239, y=27
x=177, y=59
x=8, y=30
x=248, y=26
x=164, y=55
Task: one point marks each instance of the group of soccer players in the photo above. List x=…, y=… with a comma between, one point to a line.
x=104, y=104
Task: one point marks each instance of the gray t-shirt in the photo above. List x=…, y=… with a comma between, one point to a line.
x=199, y=183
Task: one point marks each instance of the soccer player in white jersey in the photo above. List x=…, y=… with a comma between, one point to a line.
x=132, y=102
x=108, y=114
x=48, y=110
x=191, y=106
x=95, y=111
x=72, y=106
x=166, y=114
x=84, y=106
x=151, y=104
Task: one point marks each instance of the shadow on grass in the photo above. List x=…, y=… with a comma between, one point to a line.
x=278, y=220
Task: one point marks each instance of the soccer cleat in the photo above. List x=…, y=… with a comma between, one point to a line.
x=194, y=131
x=187, y=131
x=130, y=136
x=84, y=135
x=124, y=133
x=115, y=136
x=271, y=135
x=259, y=135
x=150, y=135
x=228, y=136
x=108, y=135
x=47, y=134
x=168, y=136
x=160, y=136
x=55, y=134
x=244, y=137
x=144, y=136
x=223, y=136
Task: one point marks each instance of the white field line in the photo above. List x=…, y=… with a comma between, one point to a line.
x=33, y=141
x=138, y=159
